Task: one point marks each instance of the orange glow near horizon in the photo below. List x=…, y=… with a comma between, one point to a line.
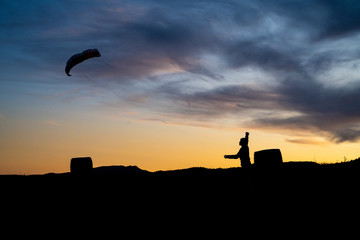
x=150, y=145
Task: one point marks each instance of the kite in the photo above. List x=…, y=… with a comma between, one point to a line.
x=80, y=57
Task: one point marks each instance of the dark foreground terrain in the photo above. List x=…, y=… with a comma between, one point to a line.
x=297, y=194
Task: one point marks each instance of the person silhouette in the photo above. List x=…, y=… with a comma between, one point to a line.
x=243, y=153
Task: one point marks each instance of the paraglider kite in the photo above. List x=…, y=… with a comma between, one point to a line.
x=80, y=57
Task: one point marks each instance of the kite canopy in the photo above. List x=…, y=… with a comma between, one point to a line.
x=80, y=57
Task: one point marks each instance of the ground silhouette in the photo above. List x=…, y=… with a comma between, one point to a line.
x=297, y=192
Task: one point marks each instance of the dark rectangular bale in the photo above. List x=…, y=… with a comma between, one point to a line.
x=269, y=158
x=81, y=165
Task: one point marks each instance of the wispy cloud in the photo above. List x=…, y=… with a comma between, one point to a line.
x=182, y=59
x=52, y=123
x=309, y=141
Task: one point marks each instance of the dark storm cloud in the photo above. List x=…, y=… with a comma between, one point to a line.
x=154, y=40
x=255, y=53
x=325, y=112
x=321, y=18
x=234, y=100
x=294, y=42
x=342, y=18
x=332, y=110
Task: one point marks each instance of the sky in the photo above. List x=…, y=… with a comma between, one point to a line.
x=178, y=83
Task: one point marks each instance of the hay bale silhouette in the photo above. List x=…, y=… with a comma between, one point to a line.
x=81, y=166
x=269, y=158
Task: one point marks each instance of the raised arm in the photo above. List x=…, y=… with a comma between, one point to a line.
x=247, y=137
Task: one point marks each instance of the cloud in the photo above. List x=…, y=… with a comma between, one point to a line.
x=298, y=104
x=309, y=141
x=321, y=19
x=154, y=120
x=52, y=123
x=183, y=59
x=299, y=101
x=342, y=18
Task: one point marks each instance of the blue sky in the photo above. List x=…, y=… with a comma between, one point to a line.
x=275, y=66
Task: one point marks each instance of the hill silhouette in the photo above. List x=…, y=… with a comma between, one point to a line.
x=118, y=170
x=297, y=192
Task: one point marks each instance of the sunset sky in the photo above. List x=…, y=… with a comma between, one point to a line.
x=178, y=83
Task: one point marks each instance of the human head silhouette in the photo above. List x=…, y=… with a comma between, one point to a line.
x=243, y=142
